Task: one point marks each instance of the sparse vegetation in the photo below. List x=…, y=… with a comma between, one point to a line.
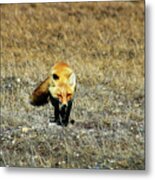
x=104, y=44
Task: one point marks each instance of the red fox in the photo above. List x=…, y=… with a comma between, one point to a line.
x=59, y=87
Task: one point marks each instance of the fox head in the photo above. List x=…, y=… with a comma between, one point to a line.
x=62, y=88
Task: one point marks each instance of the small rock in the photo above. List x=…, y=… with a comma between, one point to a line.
x=78, y=136
x=18, y=80
x=25, y=129
x=136, y=105
x=77, y=155
x=120, y=104
x=14, y=141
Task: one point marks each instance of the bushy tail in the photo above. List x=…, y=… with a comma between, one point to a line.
x=41, y=94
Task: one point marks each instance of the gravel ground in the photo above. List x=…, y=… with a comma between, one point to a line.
x=107, y=54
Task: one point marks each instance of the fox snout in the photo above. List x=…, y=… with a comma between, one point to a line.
x=63, y=106
x=62, y=100
x=63, y=109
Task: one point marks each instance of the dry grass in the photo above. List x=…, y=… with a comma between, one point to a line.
x=104, y=44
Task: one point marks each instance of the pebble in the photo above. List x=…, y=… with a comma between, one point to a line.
x=18, y=80
x=120, y=104
x=25, y=129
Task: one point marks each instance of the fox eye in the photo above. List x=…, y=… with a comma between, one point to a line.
x=68, y=95
x=55, y=76
x=59, y=95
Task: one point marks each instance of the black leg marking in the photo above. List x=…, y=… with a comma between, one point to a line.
x=65, y=113
x=61, y=116
x=55, y=104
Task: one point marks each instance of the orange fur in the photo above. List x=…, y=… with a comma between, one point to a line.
x=55, y=87
x=59, y=88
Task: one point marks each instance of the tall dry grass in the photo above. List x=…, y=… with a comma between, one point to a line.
x=104, y=44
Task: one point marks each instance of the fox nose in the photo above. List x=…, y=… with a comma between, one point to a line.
x=64, y=106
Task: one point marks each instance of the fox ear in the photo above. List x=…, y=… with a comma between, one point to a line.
x=54, y=78
x=72, y=80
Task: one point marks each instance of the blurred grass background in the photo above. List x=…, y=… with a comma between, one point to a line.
x=104, y=43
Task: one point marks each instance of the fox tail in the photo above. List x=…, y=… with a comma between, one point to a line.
x=40, y=95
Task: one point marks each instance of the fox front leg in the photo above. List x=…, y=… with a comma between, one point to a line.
x=55, y=104
x=65, y=113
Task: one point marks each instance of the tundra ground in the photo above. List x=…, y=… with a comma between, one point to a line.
x=104, y=43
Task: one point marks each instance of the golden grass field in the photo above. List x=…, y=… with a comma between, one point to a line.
x=104, y=43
